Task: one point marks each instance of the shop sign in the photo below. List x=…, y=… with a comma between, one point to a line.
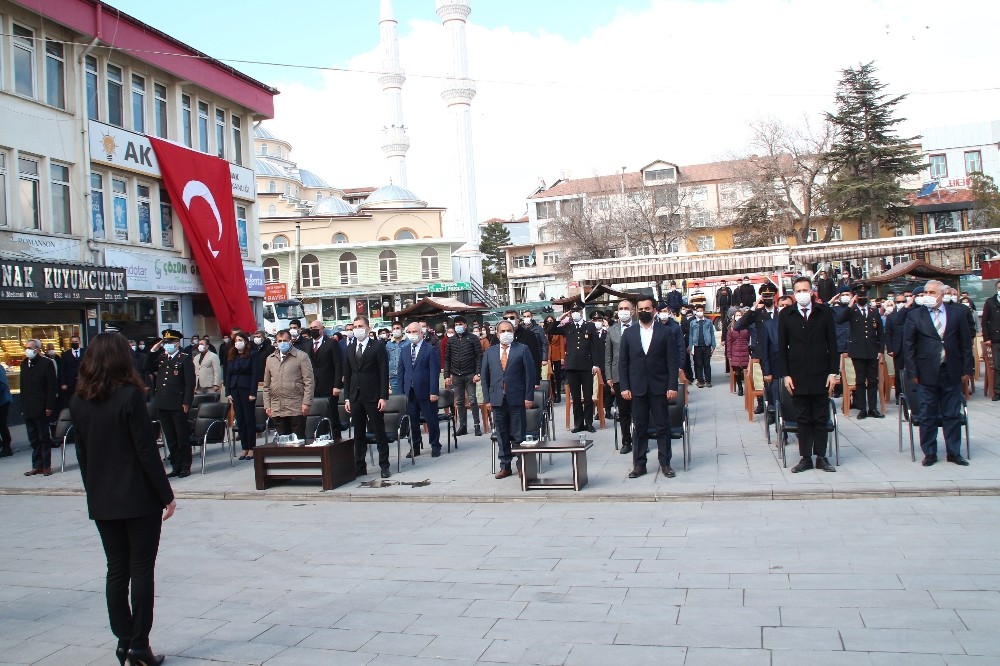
x=275, y=291
x=255, y=281
x=173, y=275
x=120, y=148
x=454, y=286
x=43, y=281
x=37, y=246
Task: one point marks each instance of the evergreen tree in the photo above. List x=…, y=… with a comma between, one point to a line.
x=986, y=213
x=491, y=243
x=868, y=158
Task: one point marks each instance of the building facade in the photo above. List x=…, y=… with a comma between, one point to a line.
x=954, y=152
x=82, y=87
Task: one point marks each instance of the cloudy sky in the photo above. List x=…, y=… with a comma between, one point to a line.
x=581, y=87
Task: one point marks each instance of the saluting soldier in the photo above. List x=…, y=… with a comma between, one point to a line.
x=582, y=359
x=174, y=391
x=865, y=349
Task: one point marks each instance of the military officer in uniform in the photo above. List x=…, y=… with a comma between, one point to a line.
x=174, y=390
x=581, y=364
x=865, y=349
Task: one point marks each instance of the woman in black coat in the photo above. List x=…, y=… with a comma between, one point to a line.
x=241, y=385
x=128, y=494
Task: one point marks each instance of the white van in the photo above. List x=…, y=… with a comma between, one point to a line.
x=277, y=315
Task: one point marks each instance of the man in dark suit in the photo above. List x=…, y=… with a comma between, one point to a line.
x=508, y=390
x=745, y=294
x=601, y=326
x=753, y=320
x=580, y=365
x=648, y=377
x=937, y=345
x=825, y=287
x=38, y=404
x=366, y=384
x=328, y=368
x=419, y=377
x=173, y=382
x=867, y=343
x=808, y=362
x=69, y=370
x=768, y=346
x=893, y=335
x=612, y=378
x=991, y=335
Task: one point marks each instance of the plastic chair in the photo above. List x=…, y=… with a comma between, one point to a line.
x=909, y=410
x=317, y=418
x=196, y=403
x=397, y=426
x=446, y=415
x=210, y=427
x=785, y=422
x=64, y=434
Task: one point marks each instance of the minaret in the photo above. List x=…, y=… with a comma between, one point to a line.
x=458, y=94
x=396, y=142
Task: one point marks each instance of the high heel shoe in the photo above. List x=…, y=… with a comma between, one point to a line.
x=144, y=657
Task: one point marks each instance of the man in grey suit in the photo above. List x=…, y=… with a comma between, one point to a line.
x=508, y=390
x=611, y=351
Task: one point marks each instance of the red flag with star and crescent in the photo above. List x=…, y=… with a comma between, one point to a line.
x=200, y=188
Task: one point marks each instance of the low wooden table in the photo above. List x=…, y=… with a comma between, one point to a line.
x=529, y=464
x=332, y=463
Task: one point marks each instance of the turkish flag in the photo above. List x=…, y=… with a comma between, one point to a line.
x=201, y=192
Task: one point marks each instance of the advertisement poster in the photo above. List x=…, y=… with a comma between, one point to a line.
x=241, y=235
x=97, y=214
x=121, y=218
x=167, y=225
x=145, y=231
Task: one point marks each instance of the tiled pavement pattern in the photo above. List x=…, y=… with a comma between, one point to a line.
x=876, y=582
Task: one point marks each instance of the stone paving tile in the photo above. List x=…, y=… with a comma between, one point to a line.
x=298, y=656
x=406, y=645
x=633, y=655
x=731, y=657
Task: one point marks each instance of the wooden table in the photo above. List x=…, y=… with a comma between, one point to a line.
x=529, y=464
x=332, y=463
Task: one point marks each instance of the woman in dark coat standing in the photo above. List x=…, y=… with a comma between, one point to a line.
x=738, y=353
x=128, y=494
x=241, y=385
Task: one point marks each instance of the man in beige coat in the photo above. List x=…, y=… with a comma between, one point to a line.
x=207, y=370
x=288, y=385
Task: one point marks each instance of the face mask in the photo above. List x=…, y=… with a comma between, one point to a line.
x=460, y=329
x=506, y=338
x=240, y=345
x=75, y=345
x=845, y=299
x=194, y=343
x=315, y=332
x=862, y=301
x=598, y=325
x=225, y=341
x=576, y=316
x=258, y=341
x=699, y=314
x=663, y=317
x=803, y=298
x=413, y=337
x=132, y=347
x=396, y=333
x=284, y=346
x=926, y=301
x=142, y=347
x=746, y=281
x=423, y=330
x=30, y=353
x=645, y=316
x=889, y=309
x=451, y=335
x=51, y=353
x=360, y=333
x=170, y=347
x=949, y=298
x=294, y=332
x=383, y=336
x=202, y=348
x=625, y=316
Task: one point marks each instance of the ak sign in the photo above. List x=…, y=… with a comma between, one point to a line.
x=52, y=282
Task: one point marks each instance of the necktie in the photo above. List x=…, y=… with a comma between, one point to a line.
x=360, y=350
x=503, y=357
x=413, y=354
x=76, y=353
x=316, y=346
x=805, y=313
x=938, y=323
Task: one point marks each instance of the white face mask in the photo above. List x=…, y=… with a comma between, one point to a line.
x=949, y=298
x=202, y=348
x=240, y=345
x=294, y=332
x=803, y=298
x=699, y=314
x=413, y=337
x=625, y=316
x=598, y=325
x=663, y=316
x=526, y=320
x=360, y=333
x=397, y=333
x=30, y=353
x=576, y=316
x=926, y=301
x=889, y=308
x=845, y=299
x=506, y=338
x=383, y=336
x=132, y=347
x=451, y=335
x=258, y=341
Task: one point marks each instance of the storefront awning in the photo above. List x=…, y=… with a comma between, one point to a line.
x=667, y=266
x=918, y=269
x=888, y=247
x=428, y=307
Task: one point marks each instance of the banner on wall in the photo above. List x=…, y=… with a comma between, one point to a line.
x=200, y=189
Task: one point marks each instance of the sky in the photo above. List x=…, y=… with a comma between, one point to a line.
x=575, y=88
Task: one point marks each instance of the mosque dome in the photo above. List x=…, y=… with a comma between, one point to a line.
x=333, y=206
x=310, y=179
x=393, y=196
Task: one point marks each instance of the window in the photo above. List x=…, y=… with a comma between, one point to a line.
x=570, y=207
x=138, y=104
x=186, y=120
x=28, y=174
x=838, y=233
x=220, y=133
x=4, y=221
x=706, y=243
x=348, y=268
x=602, y=203
x=664, y=196
x=340, y=237
x=203, y=126
x=115, y=94
x=658, y=174
x=405, y=234
x=701, y=218
x=166, y=220
x=522, y=261
x=55, y=74
x=675, y=246
x=279, y=242
x=160, y=110
x=90, y=66
x=429, y=264
x=387, y=266
x=288, y=189
x=119, y=206
x=97, y=206
x=551, y=258
x=699, y=193
x=272, y=210
x=241, y=231
x=944, y=222
x=263, y=149
x=545, y=210
x=59, y=174
x=641, y=250
x=939, y=166
x=237, y=140
x=272, y=272
x=24, y=61
x=309, y=277
x=973, y=162
x=145, y=225
x=272, y=186
x=812, y=235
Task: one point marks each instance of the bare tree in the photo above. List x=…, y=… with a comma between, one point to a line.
x=783, y=181
x=587, y=229
x=653, y=216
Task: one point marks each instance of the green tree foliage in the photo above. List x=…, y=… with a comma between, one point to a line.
x=491, y=243
x=868, y=158
x=986, y=213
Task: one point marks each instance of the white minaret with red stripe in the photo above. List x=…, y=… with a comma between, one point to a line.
x=396, y=142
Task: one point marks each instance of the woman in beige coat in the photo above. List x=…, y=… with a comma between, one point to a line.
x=207, y=370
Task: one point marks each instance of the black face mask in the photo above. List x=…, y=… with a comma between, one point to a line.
x=75, y=345
x=645, y=316
x=863, y=301
x=315, y=333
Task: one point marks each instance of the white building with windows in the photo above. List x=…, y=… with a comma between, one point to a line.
x=954, y=152
x=82, y=87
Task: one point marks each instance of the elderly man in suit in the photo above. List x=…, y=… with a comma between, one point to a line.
x=419, y=376
x=808, y=362
x=937, y=345
x=366, y=385
x=508, y=390
x=612, y=351
x=647, y=375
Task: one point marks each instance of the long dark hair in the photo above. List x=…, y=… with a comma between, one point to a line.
x=105, y=367
x=233, y=353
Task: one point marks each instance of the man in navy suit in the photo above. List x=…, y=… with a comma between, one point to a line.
x=647, y=374
x=69, y=370
x=419, y=374
x=508, y=390
x=769, y=355
x=937, y=345
x=366, y=388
